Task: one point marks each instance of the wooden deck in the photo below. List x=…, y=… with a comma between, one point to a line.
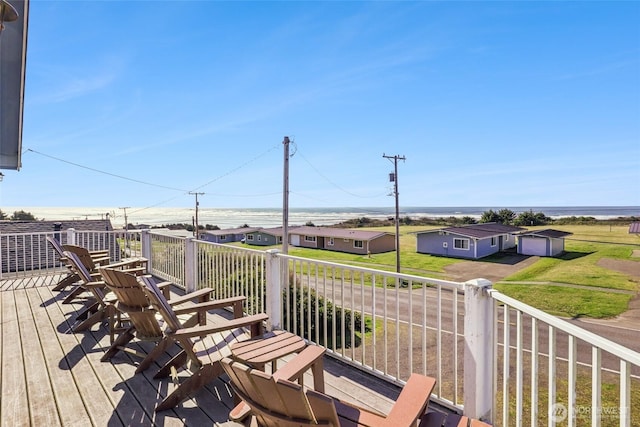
x=51, y=376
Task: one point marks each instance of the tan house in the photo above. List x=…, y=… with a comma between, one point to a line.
x=361, y=242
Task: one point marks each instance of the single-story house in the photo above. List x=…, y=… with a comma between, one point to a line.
x=542, y=242
x=228, y=235
x=343, y=240
x=265, y=236
x=472, y=241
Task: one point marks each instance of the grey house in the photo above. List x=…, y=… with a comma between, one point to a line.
x=361, y=242
x=473, y=241
x=265, y=236
x=226, y=236
x=542, y=242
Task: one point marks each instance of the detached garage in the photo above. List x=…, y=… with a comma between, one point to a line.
x=542, y=242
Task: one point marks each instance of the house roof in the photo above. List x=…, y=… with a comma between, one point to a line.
x=44, y=226
x=240, y=230
x=634, y=228
x=275, y=231
x=339, y=233
x=13, y=58
x=548, y=233
x=478, y=231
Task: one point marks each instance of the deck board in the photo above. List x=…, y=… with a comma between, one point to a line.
x=54, y=377
x=15, y=405
x=68, y=402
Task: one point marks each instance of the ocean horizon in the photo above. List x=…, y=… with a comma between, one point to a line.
x=272, y=217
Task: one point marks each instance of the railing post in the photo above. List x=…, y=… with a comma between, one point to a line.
x=190, y=264
x=478, y=350
x=273, y=291
x=71, y=236
x=145, y=248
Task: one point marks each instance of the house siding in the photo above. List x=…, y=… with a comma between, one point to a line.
x=434, y=244
x=343, y=240
x=263, y=239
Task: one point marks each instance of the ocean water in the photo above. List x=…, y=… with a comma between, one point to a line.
x=272, y=217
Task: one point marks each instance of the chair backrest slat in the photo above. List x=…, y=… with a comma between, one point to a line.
x=83, y=254
x=158, y=300
x=133, y=299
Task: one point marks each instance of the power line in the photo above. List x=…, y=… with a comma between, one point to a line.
x=334, y=184
x=106, y=173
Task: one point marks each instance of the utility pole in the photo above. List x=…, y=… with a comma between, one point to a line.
x=126, y=228
x=285, y=198
x=126, y=222
x=195, y=231
x=394, y=178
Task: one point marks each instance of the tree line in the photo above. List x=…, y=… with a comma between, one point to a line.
x=17, y=216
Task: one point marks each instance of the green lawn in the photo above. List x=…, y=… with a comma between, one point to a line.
x=578, y=266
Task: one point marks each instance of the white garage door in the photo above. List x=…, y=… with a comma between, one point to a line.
x=534, y=247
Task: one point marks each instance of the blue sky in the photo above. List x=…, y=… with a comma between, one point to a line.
x=491, y=103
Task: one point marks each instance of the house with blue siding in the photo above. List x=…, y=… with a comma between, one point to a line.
x=472, y=241
x=228, y=235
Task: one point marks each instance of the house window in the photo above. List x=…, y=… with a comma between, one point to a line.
x=330, y=242
x=259, y=237
x=223, y=237
x=309, y=238
x=461, y=244
x=249, y=236
x=494, y=241
x=358, y=244
x=279, y=239
x=506, y=237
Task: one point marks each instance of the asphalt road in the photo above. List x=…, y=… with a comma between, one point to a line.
x=420, y=308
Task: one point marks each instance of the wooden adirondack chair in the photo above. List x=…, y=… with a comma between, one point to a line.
x=92, y=262
x=71, y=277
x=146, y=322
x=276, y=401
x=97, y=308
x=203, y=347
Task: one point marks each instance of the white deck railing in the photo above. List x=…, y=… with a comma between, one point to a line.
x=25, y=254
x=493, y=356
x=544, y=352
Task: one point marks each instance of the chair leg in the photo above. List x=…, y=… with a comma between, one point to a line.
x=122, y=340
x=69, y=280
x=91, y=307
x=154, y=354
x=74, y=293
x=96, y=317
x=195, y=382
x=178, y=360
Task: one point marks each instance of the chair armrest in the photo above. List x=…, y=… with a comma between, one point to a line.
x=96, y=284
x=198, y=331
x=199, y=294
x=300, y=363
x=234, y=302
x=101, y=259
x=135, y=263
x=99, y=252
x=412, y=402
